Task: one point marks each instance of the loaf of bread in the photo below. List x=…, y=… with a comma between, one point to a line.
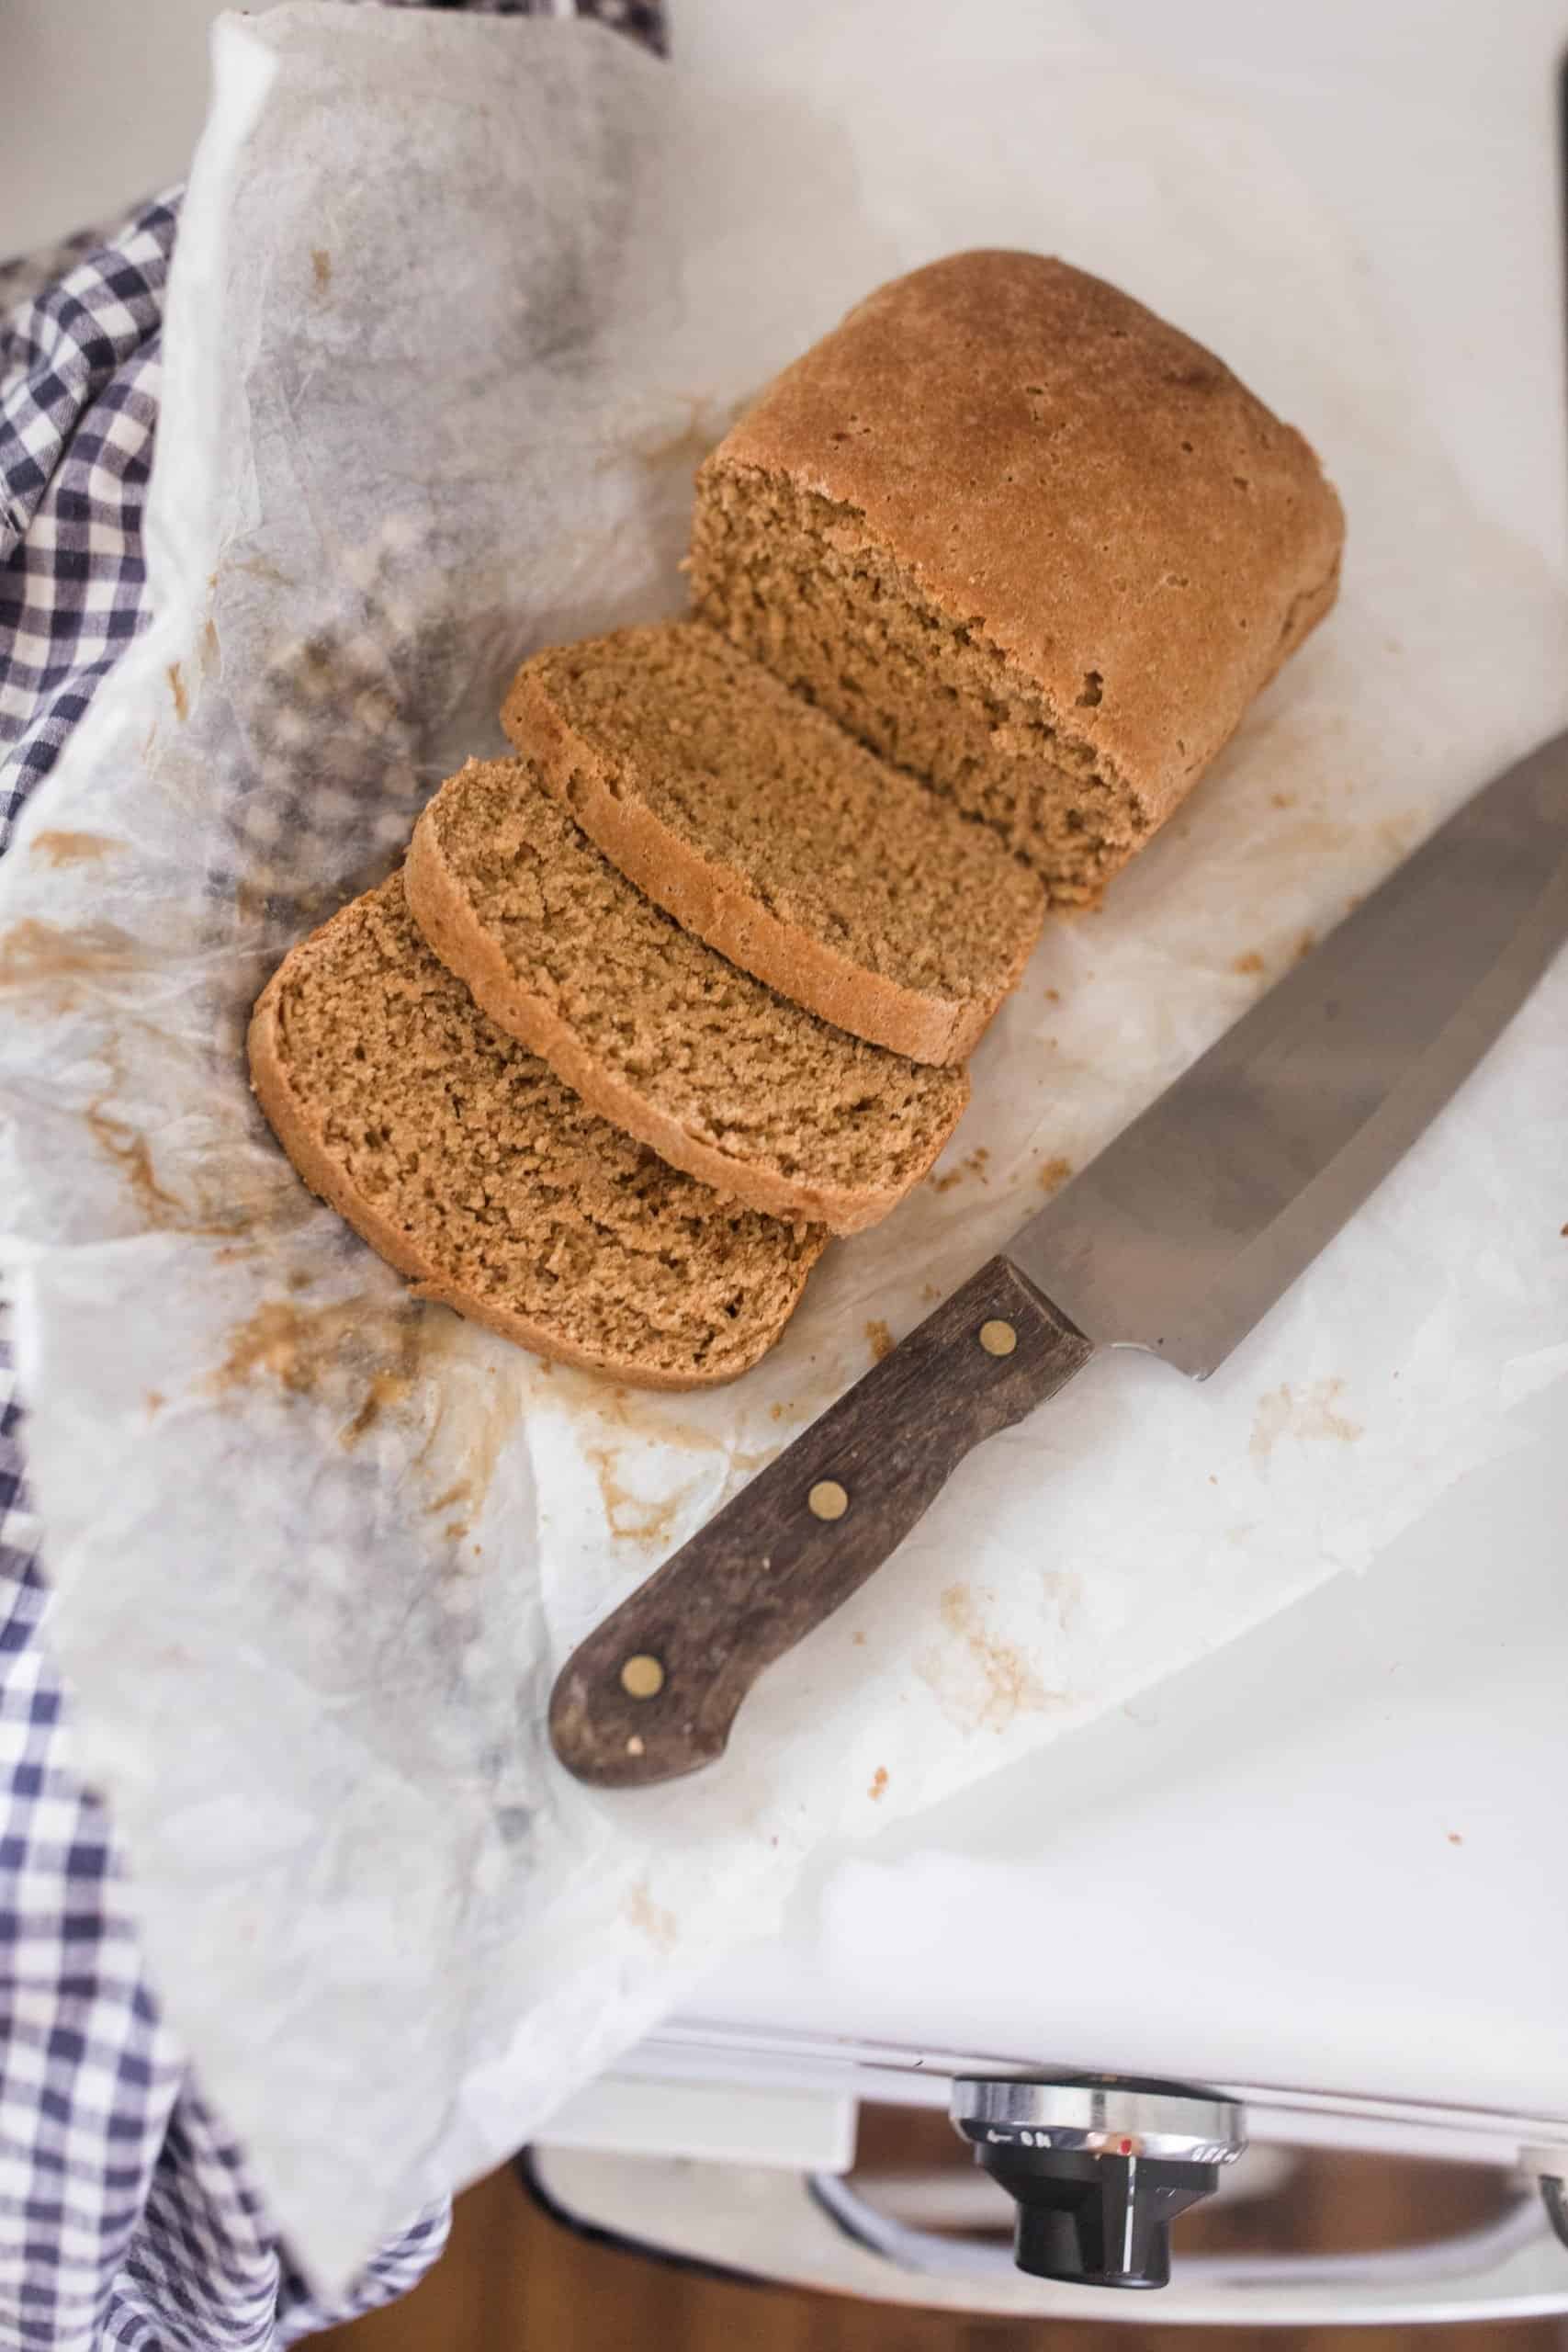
x=1025, y=540
x=722, y=1076
x=759, y=825
x=464, y=1161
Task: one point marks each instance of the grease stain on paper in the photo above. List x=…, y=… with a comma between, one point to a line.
x=72, y=849
x=366, y=1360
x=304, y=1348
x=620, y=1432
x=387, y=1388
x=747, y=1460
x=981, y=1683
x=476, y=1405
x=229, y=1205
x=632, y=1517
x=652, y=1919
x=127, y=1146
x=1063, y=1595
x=34, y=954
x=639, y=1414
x=1307, y=1414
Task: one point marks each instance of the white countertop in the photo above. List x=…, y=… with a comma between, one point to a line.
x=1336, y=1853
x=1334, y=1856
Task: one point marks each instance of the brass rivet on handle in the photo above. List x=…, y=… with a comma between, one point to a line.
x=642, y=1677
x=998, y=1339
x=827, y=1500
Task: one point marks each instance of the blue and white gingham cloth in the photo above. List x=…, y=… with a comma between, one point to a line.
x=127, y=2216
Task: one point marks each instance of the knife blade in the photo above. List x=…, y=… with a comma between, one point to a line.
x=1177, y=1240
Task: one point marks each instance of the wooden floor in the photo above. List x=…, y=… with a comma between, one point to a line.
x=512, y=2281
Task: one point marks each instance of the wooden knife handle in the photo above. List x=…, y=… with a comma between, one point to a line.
x=653, y=1692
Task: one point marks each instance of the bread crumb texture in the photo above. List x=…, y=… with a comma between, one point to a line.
x=763, y=826
x=467, y=1163
x=717, y=1071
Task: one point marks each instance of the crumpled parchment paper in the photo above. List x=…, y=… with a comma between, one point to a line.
x=457, y=305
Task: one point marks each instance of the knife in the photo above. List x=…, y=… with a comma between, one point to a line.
x=1177, y=1240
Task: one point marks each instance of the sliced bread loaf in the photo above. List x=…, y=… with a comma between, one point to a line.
x=762, y=826
x=465, y=1162
x=713, y=1070
x=1025, y=540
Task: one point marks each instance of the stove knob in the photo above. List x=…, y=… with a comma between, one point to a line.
x=1099, y=2165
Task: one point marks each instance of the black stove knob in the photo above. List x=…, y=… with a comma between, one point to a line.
x=1099, y=2165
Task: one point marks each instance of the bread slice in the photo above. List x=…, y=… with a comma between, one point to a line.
x=759, y=824
x=721, y=1077
x=465, y=1162
x=1025, y=539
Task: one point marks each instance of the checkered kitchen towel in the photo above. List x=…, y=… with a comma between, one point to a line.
x=127, y=2219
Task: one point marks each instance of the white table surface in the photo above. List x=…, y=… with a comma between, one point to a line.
x=1336, y=1854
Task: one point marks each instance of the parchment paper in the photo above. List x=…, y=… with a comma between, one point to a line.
x=457, y=304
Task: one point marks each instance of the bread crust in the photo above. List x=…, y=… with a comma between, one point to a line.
x=1085, y=489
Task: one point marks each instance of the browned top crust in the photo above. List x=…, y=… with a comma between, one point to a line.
x=1080, y=484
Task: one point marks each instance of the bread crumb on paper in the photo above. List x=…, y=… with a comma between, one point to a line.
x=974, y=1165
